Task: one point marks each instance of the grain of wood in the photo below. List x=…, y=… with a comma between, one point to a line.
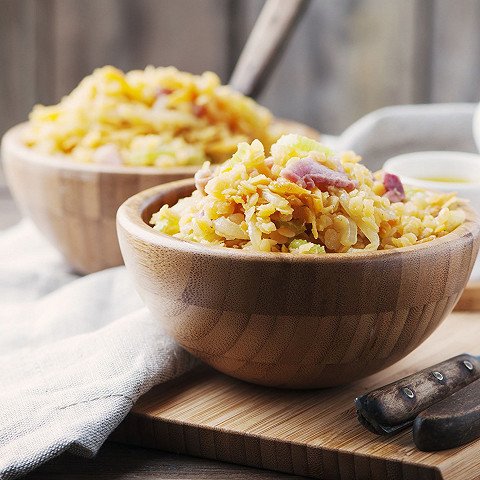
x=346, y=59
x=265, y=44
x=288, y=320
x=74, y=205
x=312, y=433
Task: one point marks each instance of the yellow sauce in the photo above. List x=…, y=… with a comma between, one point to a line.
x=447, y=179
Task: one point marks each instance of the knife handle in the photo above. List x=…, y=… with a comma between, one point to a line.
x=450, y=423
x=394, y=406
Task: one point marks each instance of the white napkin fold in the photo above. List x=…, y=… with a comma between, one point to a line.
x=76, y=352
x=395, y=130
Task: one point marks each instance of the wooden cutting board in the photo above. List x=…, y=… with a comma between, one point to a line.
x=470, y=299
x=312, y=433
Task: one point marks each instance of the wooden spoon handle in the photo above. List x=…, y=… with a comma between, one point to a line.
x=450, y=423
x=269, y=35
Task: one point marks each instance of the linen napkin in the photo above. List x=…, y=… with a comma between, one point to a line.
x=76, y=352
x=395, y=130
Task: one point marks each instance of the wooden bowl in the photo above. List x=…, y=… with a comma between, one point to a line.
x=74, y=204
x=286, y=320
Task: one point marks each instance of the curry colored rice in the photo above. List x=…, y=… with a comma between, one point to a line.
x=248, y=203
x=156, y=116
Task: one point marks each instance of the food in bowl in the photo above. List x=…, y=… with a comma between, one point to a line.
x=303, y=198
x=153, y=117
x=73, y=164
x=286, y=320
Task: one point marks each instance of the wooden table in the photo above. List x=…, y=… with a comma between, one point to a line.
x=115, y=461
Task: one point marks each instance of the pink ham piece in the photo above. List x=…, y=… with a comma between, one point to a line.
x=308, y=173
x=199, y=110
x=162, y=99
x=164, y=91
x=394, y=188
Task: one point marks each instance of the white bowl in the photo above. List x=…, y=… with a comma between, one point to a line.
x=476, y=126
x=420, y=169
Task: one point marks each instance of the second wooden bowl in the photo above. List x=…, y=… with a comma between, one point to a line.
x=74, y=204
x=289, y=320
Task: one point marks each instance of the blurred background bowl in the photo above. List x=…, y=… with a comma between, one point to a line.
x=289, y=320
x=74, y=204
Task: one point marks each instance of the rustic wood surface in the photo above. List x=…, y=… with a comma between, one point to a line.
x=346, y=58
x=313, y=433
x=288, y=320
x=116, y=461
x=340, y=39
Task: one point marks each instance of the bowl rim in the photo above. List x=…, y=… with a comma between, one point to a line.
x=12, y=143
x=129, y=217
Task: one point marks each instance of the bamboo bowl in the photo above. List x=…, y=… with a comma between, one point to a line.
x=74, y=205
x=288, y=320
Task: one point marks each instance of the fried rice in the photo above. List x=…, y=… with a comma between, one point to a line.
x=303, y=198
x=157, y=116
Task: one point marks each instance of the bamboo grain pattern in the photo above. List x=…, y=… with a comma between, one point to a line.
x=288, y=320
x=74, y=205
x=313, y=433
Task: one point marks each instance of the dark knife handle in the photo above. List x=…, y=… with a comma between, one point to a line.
x=450, y=423
x=394, y=406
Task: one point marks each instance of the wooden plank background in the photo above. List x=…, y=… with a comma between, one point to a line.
x=348, y=57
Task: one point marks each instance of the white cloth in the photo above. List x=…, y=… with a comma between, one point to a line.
x=75, y=353
x=392, y=131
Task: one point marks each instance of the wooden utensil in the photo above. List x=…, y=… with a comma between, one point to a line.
x=451, y=422
x=442, y=402
x=289, y=320
x=394, y=407
x=265, y=43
